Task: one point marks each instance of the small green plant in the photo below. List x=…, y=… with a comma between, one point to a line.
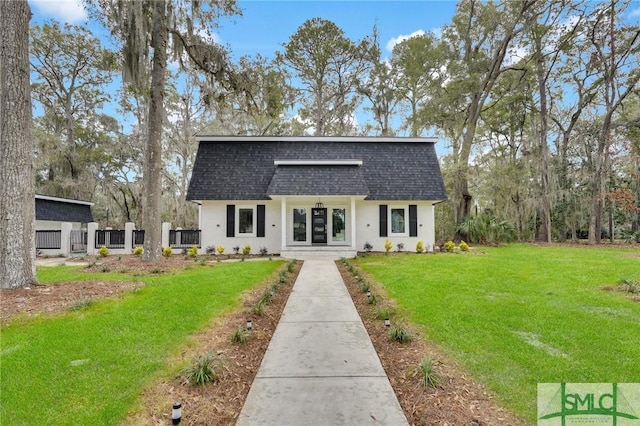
x=383, y=312
x=236, y=249
x=202, y=262
x=387, y=246
x=246, y=250
x=266, y=296
x=291, y=266
x=192, y=252
x=220, y=249
x=166, y=252
x=630, y=286
x=282, y=277
x=464, y=246
x=367, y=247
x=137, y=251
x=205, y=369
x=239, y=336
x=400, y=334
x=103, y=251
x=264, y=251
x=449, y=246
x=400, y=247
x=419, y=247
x=210, y=250
x=81, y=304
x=373, y=299
x=427, y=373
x=258, y=308
x=105, y=269
x=364, y=287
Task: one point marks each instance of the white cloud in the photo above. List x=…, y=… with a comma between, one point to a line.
x=71, y=11
x=395, y=40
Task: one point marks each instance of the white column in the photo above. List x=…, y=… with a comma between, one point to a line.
x=65, y=238
x=353, y=224
x=283, y=223
x=92, y=227
x=128, y=236
x=166, y=227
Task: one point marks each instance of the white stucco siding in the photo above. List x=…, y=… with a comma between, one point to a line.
x=213, y=224
x=368, y=225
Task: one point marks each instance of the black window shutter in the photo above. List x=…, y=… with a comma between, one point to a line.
x=383, y=220
x=231, y=220
x=260, y=230
x=413, y=220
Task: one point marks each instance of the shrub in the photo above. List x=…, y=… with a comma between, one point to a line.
x=464, y=246
x=449, y=246
x=426, y=371
x=206, y=368
x=364, y=287
x=373, y=299
x=400, y=246
x=239, y=336
x=137, y=251
x=246, y=250
x=485, y=228
x=400, y=334
x=383, y=312
x=419, y=247
x=80, y=304
x=291, y=266
x=263, y=251
x=236, y=249
x=387, y=246
x=103, y=251
x=220, y=249
x=367, y=248
x=166, y=252
x=283, y=277
x=193, y=252
x=210, y=249
x=258, y=308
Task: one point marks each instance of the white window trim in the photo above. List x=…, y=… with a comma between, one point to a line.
x=253, y=217
x=406, y=221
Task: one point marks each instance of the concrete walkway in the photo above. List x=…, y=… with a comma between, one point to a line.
x=320, y=367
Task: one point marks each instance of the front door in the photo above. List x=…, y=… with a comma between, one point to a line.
x=319, y=226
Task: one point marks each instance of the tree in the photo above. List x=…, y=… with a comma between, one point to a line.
x=71, y=70
x=416, y=61
x=615, y=56
x=17, y=200
x=474, y=48
x=329, y=66
x=145, y=26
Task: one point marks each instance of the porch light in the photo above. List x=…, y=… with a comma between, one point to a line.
x=319, y=205
x=387, y=322
x=249, y=325
x=176, y=413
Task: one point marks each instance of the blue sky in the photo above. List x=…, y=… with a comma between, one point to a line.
x=266, y=24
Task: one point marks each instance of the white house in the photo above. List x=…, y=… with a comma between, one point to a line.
x=325, y=195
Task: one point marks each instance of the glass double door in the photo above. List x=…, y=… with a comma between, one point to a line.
x=319, y=225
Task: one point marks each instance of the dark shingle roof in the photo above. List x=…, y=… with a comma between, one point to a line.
x=317, y=180
x=61, y=210
x=242, y=168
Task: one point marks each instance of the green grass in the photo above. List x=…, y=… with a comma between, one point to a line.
x=90, y=366
x=520, y=315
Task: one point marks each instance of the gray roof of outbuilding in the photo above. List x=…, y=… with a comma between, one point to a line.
x=243, y=168
x=63, y=210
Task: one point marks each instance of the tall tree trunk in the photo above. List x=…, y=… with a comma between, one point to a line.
x=17, y=200
x=152, y=179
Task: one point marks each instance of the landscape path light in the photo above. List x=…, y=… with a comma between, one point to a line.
x=176, y=413
x=387, y=322
x=249, y=325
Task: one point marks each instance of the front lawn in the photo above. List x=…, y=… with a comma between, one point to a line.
x=520, y=315
x=89, y=366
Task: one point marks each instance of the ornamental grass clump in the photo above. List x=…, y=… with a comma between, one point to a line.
x=464, y=246
x=205, y=369
x=387, y=246
x=449, y=246
x=103, y=251
x=427, y=373
x=400, y=334
x=137, y=251
x=192, y=252
x=166, y=252
x=419, y=247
